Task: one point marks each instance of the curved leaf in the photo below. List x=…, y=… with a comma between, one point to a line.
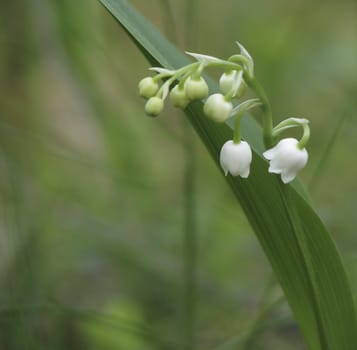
x=298, y=246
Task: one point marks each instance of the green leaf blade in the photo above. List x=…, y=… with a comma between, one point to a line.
x=298, y=246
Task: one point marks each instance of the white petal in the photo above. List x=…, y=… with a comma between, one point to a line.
x=245, y=173
x=224, y=166
x=274, y=169
x=288, y=176
x=269, y=154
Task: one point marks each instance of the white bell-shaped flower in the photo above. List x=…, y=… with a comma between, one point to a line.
x=287, y=159
x=217, y=108
x=235, y=158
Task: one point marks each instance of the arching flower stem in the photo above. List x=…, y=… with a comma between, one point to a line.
x=293, y=123
x=305, y=137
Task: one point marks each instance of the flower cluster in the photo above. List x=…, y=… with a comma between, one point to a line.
x=286, y=157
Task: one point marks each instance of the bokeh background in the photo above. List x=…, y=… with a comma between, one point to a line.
x=95, y=195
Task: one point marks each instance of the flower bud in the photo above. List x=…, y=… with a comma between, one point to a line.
x=178, y=97
x=196, y=89
x=286, y=159
x=226, y=82
x=235, y=158
x=154, y=106
x=229, y=80
x=217, y=108
x=148, y=87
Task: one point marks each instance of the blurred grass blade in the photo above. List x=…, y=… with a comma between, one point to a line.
x=300, y=250
x=320, y=167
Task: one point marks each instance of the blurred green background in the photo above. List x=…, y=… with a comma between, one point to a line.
x=94, y=194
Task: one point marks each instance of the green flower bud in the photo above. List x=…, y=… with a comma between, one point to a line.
x=226, y=82
x=154, y=106
x=229, y=80
x=217, y=108
x=196, y=89
x=148, y=87
x=179, y=98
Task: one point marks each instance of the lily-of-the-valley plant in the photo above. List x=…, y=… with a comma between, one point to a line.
x=286, y=156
